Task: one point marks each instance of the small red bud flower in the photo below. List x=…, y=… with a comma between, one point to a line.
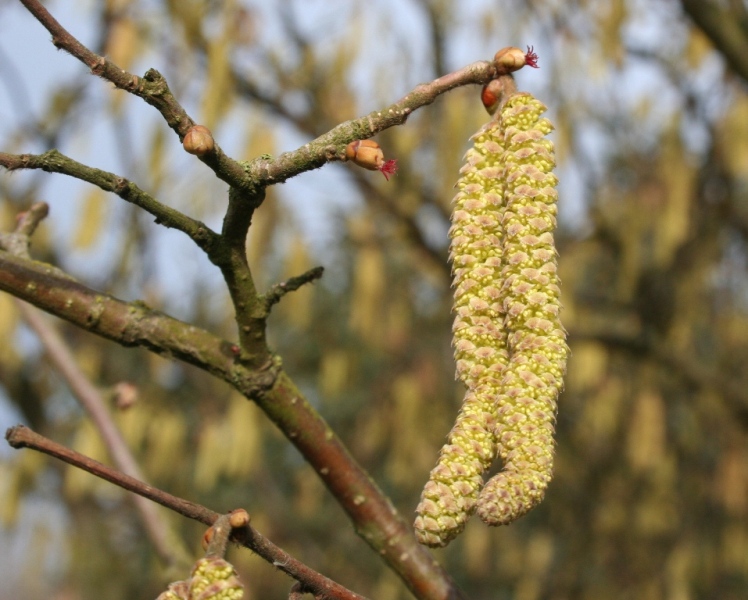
x=531, y=59
x=369, y=155
x=508, y=60
x=389, y=168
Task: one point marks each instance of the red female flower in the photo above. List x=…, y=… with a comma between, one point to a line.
x=531, y=59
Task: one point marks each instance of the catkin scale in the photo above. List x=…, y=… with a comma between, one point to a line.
x=510, y=348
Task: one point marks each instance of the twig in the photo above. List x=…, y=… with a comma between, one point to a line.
x=23, y=437
x=152, y=88
x=133, y=324
x=728, y=34
x=261, y=172
x=55, y=162
x=220, y=534
x=331, y=145
x=276, y=292
x=166, y=543
x=19, y=240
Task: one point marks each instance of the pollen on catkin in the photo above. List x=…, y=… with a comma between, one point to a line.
x=536, y=340
x=212, y=578
x=449, y=497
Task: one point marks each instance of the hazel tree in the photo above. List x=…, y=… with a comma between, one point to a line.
x=210, y=319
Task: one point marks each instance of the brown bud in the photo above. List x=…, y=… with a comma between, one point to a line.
x=125, y=394
x=491, y=95
x=207, y=537
x=366, y=154
x=238, y=518
x=198, y=140
x=509, y=59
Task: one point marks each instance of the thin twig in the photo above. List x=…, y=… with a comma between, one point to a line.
x=23, y=437
x=19, y=240
x=331, y=145
x=55, y=162
x=276, y=292
x=261, y=172
x=152, y=88
x=132, y=324
x=167, y=544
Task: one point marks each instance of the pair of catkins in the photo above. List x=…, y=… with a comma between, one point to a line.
x=509, y=345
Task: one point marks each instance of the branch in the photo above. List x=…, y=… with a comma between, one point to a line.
x=127, y=323
x=132, y=324
x=275, y=293
x=18, y=241
x=261, y=172
x=152, y=88
x=728, y=33
x=23, y=437
x=55, y=162
x=331, y=145
x=166, y=543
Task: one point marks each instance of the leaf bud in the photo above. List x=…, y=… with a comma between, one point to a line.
x=198, y=140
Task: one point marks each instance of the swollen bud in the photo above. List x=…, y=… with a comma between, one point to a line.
x=198, y=140
x=491, y=95
x=369, y=155
x=239, y=518
x=508, y=60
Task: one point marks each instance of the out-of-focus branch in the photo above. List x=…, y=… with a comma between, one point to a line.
x=23, y=437
x=727, y=32
x=166, y=542
x=690, y=371
x=132, y=324
x=55, y=162
x=152, y=88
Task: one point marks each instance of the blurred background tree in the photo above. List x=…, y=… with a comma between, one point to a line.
x=650, y=495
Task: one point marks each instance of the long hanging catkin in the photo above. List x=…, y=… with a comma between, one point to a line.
x=530, y=292
x=449, y=497
x=509, y=345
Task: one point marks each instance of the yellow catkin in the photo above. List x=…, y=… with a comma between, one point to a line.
x=212, y=578
x=530, y=292
x=510, y=348
x=449, y=497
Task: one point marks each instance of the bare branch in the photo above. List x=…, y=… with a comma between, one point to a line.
x=152, y=88
x=166, y=542
x=275, y=293
x=132, y=324
x=262, y=171
x=23, y=437
x=728, y=34
x=331, y=145
x=55, y=162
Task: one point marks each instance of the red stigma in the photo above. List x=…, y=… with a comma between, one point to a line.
x=531, y=59
x=389, y=168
